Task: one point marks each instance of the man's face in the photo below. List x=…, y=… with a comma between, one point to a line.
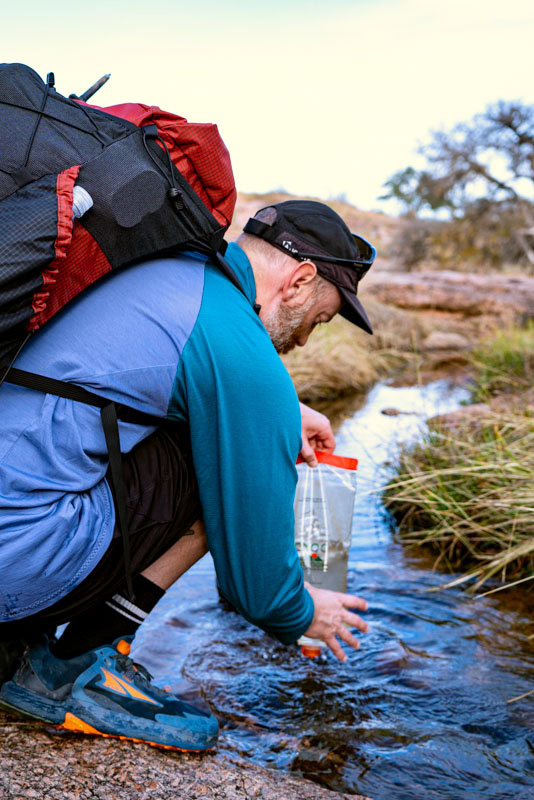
x=290, y=326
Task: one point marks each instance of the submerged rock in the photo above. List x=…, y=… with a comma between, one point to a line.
x=395, y=412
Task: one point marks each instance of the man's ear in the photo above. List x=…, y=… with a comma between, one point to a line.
x=298, y=282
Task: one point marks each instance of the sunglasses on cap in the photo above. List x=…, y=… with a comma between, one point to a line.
x=361, y=264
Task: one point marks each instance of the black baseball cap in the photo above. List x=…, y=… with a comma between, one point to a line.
x=312, y=231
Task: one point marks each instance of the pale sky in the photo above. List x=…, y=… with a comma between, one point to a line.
x=318, y=98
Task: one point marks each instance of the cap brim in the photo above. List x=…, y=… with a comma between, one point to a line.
x=353, y=310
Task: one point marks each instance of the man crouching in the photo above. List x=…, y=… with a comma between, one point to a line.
x=174, y=338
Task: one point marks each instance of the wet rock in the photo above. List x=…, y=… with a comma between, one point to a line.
x=395, y=412
x=445, y=340
x=470, y=294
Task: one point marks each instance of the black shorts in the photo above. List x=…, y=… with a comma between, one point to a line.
x=163, y=503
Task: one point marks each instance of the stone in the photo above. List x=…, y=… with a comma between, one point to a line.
x=470, y=294
x=395, y=412
x=445, y=340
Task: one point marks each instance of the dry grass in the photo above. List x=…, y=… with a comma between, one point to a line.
x=333, y=363
x=339, y=359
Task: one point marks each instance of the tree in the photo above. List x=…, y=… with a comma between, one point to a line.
x=477, y=171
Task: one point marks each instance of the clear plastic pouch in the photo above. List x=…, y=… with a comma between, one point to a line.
x=324, y=505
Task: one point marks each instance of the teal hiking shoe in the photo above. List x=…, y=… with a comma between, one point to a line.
x=104, y=692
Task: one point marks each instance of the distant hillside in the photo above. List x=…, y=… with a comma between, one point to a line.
x=378, y=228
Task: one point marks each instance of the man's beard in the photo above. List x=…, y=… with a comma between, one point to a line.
x=284, y=325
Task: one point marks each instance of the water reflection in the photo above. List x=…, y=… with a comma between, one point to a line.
x=420, y=711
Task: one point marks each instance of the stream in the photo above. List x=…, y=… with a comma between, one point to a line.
x=420, y=711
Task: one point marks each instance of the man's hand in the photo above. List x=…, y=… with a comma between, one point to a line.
x=316, y=434
x=331, y=615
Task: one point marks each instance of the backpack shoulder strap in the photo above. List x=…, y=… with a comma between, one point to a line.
x=70, y=391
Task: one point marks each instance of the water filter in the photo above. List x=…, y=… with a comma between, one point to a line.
x=324, y=506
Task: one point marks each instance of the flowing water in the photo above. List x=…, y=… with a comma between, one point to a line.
x=420, y=711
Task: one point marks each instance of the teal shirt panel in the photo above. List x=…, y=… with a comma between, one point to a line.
x=244, y=417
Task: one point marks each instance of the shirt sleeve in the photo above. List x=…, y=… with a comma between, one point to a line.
x=244, y=419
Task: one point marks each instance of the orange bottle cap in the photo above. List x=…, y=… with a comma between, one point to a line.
x=310, y=650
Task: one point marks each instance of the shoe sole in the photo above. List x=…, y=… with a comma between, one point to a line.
x=76, y=725
x=4, y=706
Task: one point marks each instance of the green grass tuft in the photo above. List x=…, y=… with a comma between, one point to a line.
x=505, y=363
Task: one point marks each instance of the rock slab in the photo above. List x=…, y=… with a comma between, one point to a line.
x=466, y=293
x=35, y=763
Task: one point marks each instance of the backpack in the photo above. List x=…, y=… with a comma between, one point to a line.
x=85, y=190
x=156, y=184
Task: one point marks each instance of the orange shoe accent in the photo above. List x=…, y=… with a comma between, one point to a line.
x=72, y=723
x=123, y=647
x=125, y=687
x=77, y=725
x=112, y=682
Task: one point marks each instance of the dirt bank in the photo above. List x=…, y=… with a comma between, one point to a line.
x=37, y=763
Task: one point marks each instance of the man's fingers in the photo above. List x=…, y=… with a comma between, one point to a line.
x=307, y=453
x=328, y=442
x=336, y=648
x=351, y=601
x=332, y=618
x=347, y=637
x=320, y=444
x=355, y=621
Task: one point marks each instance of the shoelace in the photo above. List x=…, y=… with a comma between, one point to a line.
x=130, y=668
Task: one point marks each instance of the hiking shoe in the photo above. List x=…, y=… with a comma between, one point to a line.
x=104, y=692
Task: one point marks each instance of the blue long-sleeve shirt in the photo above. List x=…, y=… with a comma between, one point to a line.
x=172, y=337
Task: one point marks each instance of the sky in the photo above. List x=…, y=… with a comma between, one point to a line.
x=324, y=98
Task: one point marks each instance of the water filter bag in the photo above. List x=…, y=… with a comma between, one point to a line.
x=324, y=505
